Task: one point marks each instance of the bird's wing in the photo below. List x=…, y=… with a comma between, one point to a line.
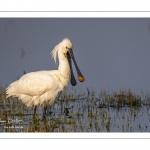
x=36, y=83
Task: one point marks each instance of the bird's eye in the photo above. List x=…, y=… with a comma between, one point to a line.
x=66, y=47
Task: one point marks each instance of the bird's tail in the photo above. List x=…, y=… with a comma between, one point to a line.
x=10, y=90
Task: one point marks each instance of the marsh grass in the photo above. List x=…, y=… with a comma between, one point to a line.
x=78, y=111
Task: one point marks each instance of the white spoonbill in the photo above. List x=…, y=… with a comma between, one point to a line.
x=42, y=87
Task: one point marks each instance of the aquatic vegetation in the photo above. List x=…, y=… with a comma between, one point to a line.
x=78, y=111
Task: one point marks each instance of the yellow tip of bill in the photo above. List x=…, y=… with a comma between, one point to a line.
x=81, y=78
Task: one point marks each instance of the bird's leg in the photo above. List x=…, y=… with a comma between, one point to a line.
x=58, y=99
x=34, y=111
x=44, y=111
x=59, y=95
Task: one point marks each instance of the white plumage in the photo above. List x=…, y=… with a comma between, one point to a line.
x=42, y=87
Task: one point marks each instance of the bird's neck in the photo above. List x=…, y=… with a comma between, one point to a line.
x=64, y=68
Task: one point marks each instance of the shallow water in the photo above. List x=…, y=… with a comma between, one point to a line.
x=79, y=112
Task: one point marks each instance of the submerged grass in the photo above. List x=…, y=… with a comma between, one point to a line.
x=77, y=111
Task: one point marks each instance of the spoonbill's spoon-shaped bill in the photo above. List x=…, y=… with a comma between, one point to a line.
x=80, y=76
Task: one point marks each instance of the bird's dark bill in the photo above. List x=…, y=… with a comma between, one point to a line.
x=73, y=80
x=80, y=76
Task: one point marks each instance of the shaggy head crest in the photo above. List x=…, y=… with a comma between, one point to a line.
x=64, y=42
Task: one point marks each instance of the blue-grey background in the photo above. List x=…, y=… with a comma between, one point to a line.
x=111, y=53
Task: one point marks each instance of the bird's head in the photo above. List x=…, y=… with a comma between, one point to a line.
x=65, y=48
